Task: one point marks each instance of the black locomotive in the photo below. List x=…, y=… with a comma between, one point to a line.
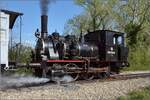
x=97, y=53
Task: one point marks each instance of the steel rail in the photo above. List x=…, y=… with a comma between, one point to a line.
x=115, y=77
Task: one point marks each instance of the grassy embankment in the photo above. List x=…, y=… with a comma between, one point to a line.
x=139, y=60
x=25, y=71
x=143, y=94
x=136, y=68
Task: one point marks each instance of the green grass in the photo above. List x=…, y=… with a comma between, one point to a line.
x=24, y=71
x=143, y=94
x=136, y=68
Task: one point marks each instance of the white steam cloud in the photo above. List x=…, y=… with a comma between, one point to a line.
x=64, y=79
x=19, y=81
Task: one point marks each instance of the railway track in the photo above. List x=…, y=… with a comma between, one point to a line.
x=111, y=78
x=130, y=76
x=116, y=77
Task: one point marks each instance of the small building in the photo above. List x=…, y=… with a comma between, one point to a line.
x=7, y=20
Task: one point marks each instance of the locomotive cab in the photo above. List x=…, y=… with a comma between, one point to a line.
x=111, y=46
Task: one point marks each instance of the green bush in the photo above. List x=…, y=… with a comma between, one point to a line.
x=26, y=71
x=23, y=56
x=143, y=94
x=139, y=58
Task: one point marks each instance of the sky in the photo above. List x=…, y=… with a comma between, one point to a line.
x=58, y=14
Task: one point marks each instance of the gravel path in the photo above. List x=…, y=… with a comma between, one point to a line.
x=98, y=90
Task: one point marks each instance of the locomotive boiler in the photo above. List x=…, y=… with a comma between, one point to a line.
x=98, y=53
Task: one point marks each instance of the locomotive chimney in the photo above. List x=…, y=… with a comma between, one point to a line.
x=44, y=21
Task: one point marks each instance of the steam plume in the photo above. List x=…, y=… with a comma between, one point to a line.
x=64, y=79
x=20, y=80
x=44, y=6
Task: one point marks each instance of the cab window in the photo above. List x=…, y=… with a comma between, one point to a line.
x=117, y=40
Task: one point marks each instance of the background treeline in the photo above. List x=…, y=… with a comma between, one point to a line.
x=20, y=53
x=129, y=16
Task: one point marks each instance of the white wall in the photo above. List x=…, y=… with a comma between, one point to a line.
x=4, y=38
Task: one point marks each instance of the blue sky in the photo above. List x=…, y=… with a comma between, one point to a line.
x=59, y=12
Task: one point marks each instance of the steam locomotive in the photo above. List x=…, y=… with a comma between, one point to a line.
x=98, y=53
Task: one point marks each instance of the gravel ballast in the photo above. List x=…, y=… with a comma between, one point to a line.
x=95, y=90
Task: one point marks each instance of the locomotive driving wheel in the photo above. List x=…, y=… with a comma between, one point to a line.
x=88, y=76
x=74, y=76
x=71, y=67
x=37, y=72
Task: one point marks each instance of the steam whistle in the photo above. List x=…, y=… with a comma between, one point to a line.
x=37, y=34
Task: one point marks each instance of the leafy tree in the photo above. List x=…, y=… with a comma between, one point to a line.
x=94, y=17
x=132, y=18
x=91, y=6
x=77, y=24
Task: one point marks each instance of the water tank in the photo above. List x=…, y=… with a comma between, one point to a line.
x=4, y=38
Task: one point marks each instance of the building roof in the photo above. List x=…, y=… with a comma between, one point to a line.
x=12, y=16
